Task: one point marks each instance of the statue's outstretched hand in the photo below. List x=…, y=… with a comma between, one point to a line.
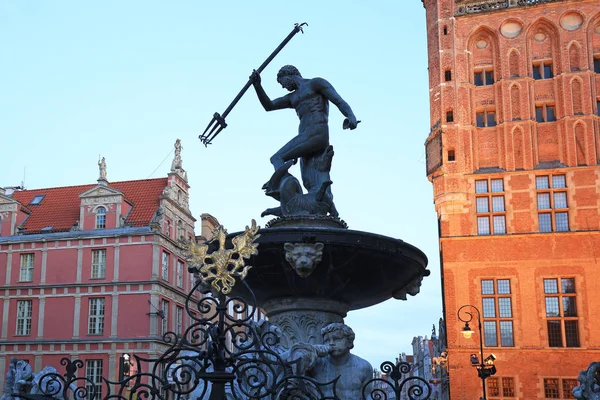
x=255, y=77
x=350, y=123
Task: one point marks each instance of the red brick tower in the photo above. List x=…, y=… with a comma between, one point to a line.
x=513, y=156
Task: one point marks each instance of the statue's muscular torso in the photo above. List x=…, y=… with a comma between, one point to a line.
x=312, y=109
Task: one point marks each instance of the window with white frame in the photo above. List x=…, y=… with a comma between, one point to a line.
x=26, y=270
x=552, y=204
x=179, y=320
x=96, y=316
x=165, y=266
x=24, y=312
x=93, y=375
x=561, y=312
x=164, y=308
x=101, y=218
x=489, y=207
x=98, y=264
x=179, y=273
x=497, y=313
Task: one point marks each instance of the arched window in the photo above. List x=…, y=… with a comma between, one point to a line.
x=543, y=49
x=513, y=64
x=100, y=218
x=515, y=102
x=576, y=92
x=574, y=57
x=179, y=197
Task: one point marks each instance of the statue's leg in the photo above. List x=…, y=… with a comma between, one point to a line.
x=299, y=146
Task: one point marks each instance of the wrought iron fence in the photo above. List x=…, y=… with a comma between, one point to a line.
x=223, y=354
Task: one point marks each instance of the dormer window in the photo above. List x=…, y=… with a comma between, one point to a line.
x=37, y=200
x=100, y=218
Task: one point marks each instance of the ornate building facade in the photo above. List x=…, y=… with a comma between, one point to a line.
x=95, y=272
x=513, y=155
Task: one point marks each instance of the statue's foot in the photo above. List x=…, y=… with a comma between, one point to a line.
x=272, y=185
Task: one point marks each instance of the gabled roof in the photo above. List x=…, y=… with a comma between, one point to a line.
x=60, y=206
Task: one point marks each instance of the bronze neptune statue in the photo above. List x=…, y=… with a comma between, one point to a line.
x=310, y=98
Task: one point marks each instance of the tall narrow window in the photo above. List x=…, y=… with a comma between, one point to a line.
x=179, y=320
x=179, y=273
x=449, y=116
x=445, y=30
x=497, y=312
x=597, y=64
x=542, y=70
x=165, y=266
x=489, y=207
x=561, y=312
x=26, y=270
x=93, y=374
x=164, y=308
x=552, y=204
x=448, y=75
x=556, y=388
x=24, y=312
x=100, y=218
x=98, y=264
x=96, y=316
x=483, y=77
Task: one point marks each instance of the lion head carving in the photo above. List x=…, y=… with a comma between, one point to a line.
x=303, y=257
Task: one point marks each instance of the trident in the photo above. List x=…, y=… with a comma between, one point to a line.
x=217, y=124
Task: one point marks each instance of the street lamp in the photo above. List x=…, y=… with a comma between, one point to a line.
x=124, y=366
x=485, y=366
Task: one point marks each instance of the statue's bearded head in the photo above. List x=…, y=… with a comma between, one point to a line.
x=286, y=75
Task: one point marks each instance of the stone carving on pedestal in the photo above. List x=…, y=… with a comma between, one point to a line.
x=303, y=257
x=102, y=172
x=177, y=163
x=302, y=327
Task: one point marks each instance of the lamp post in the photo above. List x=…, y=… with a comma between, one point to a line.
x=124, y=366
x=485, y=366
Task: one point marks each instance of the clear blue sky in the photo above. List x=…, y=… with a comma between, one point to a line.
x=124, y=79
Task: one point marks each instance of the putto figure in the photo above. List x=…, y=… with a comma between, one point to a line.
x=310, y=98
x=354, y=372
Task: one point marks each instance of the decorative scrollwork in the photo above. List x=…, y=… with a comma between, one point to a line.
x=396, y=385
x=223, y=355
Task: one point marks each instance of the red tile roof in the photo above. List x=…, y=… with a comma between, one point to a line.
x=60, y=206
